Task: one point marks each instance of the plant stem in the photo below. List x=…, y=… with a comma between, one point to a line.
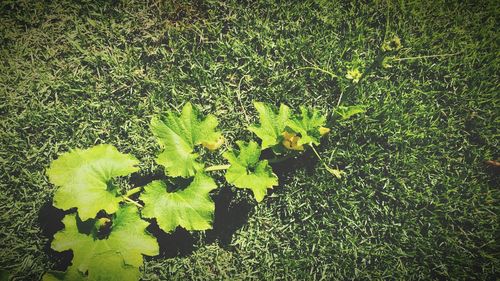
x=238, y=95
x=333, y=75
x=132, y=201
x=424, y=57
x=217, y=168
x=317, y=154
x=337, y=173
x=133, y=191
x=340, y=98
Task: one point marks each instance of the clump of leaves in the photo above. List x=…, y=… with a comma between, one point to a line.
x=248, y=171
x=191, y=208
x=106, y=233
x=116, y=257
x=282, y=131
x=84, y=179
x=272, y=125
x=307, y=125
x=299, y=131
x=178, y=136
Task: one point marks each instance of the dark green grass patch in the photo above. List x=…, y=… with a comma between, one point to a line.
x=417, y=201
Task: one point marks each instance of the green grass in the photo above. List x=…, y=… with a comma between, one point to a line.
x=418, y=201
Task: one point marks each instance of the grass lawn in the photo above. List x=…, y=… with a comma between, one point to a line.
x=418, y=200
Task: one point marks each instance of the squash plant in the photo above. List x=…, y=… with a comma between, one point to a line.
x=106, y=232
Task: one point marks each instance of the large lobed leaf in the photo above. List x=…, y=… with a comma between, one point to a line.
x=106, y=266
x=246, y=171
x=272, y=124
x=282, y=129
x=191, y=208
x=178, y=135
x=116, y=258
x=84, y=176
x=308, y=125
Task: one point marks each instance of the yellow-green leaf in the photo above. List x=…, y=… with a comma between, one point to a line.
x=117, y=257
x=246, y=171
x=308, y=125
x=272, y=124
x=84, y=179
x=191, y=208
x=178, y=135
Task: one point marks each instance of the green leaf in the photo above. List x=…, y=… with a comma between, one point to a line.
x=178, y=135
x=102, y=270
x=84, y=176
x=116, y=258
x=272, y=124
x=246, y=171
x=308, y=125
x=71, y=274
x=102, y=266
x=346, y=112
x=191, y=208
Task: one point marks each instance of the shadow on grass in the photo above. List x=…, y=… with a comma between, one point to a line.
x=139, y=179
x=231, y=213
x=176, y=244
x=287, y=169
x=50, y=222
x=493, y=172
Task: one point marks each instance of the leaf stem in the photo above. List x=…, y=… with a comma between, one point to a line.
x=424, y=57
x=333, y=75
x=317, y=154
x=337, y=173
x=340, y=98
x=133, y=191
x=238, y=95
x=217, y=168
x=132, y=201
